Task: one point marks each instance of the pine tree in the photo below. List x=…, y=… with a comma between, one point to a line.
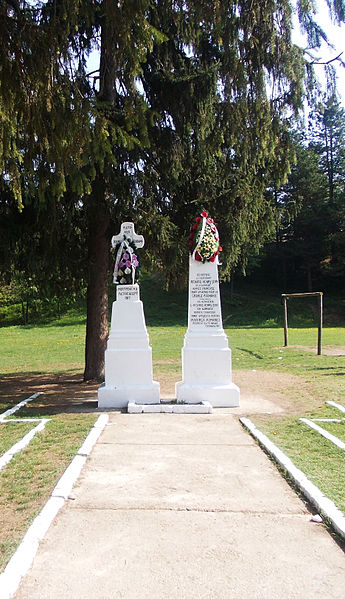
x=205, y=126
x=305, y=220
x=327, y=138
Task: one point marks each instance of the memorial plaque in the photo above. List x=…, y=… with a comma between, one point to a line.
x=127, y=293
x=206, y=356
x=204, y=304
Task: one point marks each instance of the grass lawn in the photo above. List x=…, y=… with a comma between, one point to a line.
x=57, y=348
x=11, y=433
x=28, y=480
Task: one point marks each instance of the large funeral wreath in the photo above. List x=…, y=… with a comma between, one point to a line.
x=126, y=262
x=204, y=239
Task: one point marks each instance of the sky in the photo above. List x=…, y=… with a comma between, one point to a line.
x=336, y=35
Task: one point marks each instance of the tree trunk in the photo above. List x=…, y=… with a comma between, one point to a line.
x=97, y=291
x=309, y=277
x=99, y=220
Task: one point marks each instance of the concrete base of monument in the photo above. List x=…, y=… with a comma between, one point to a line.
x=119, y=397
x=170, y=408
x=219, y=396
x=128, y=357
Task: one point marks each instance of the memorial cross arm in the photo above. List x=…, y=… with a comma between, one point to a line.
x=127, y=232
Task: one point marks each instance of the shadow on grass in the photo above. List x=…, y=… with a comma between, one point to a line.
x=59, y=394
x=334, y=374
x=248, y=351
x=329, y=367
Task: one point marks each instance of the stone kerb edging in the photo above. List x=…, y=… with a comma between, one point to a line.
x=324, y=433
x=17, y=447
x=19, y=405
x=21, y=561
x=20, y=445
x=336, y=405
x=324, y=505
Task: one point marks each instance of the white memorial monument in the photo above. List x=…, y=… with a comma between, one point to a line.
x=128, y=357
x=206, y=356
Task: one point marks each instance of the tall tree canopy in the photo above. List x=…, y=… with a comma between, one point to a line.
x=309, y=249
x=190, y=107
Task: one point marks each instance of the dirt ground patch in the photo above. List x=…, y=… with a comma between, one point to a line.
x=261, y=391
x=327, y=350
x=273, y=392
x=62, y=393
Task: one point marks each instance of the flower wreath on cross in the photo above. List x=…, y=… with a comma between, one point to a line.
x=126, y=262
x=204, y=239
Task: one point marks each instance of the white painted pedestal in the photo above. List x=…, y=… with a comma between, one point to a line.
x=128, y=357
x=206, y=356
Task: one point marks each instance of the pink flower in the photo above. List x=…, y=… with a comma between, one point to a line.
x=128, y=263
x=210, y=220
x=125, y=256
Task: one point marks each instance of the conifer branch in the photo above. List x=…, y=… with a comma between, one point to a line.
x=328, y=61
x=92, y=72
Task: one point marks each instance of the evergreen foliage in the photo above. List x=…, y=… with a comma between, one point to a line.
x=190, y=108
x=309, y=250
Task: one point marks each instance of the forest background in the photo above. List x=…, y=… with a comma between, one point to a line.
x=193, y=106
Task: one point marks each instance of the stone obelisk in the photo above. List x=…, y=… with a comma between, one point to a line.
x=206, y=356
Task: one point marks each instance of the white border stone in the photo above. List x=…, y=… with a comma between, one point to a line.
x=336, y=405
x=17, y=447
x=324, y=433
x=324, y=505
x=19, y=405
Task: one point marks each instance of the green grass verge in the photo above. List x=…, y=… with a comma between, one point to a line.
x=11, y=433
x=28, y=480
x=335, y=428
x=321, y=461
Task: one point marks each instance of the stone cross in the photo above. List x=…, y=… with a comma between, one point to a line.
x=128, y=357
x=127, y=232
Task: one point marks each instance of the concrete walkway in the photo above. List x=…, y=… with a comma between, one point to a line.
x=183, y=507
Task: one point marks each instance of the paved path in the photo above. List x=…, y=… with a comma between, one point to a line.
x=183, y=507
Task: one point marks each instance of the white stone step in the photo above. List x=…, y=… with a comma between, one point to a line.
x=174, y=408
